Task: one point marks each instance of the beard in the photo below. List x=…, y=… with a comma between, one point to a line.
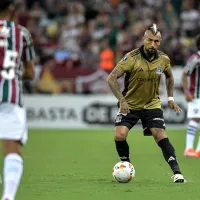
x=150, y=52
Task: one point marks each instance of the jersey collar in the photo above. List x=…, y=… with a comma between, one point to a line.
x=141, y=49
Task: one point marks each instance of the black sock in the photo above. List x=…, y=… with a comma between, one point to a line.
x=169, y=154
x=123, y=150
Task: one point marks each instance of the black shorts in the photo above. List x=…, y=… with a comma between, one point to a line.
x=150, y=118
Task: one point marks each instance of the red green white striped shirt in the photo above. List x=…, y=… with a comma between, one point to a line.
x=192, y=68
x=16, y=46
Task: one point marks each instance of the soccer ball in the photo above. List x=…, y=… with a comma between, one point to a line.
x=123, y=172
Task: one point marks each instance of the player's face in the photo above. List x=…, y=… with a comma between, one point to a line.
x=151, y=42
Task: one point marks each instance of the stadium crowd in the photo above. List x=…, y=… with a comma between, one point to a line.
x=80, y=37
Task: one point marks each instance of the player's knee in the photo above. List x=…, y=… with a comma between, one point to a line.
x=120, y=135
x=159, y=134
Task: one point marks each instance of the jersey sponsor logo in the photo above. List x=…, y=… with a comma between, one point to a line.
x=159, y=70
x=147, y=79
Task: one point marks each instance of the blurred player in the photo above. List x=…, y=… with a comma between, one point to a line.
x=192, y=95
x=143, y=68
x=15, y=48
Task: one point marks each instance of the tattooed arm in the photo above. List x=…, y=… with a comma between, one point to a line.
x=114, y=85
x=170, y=90
x=169, y=82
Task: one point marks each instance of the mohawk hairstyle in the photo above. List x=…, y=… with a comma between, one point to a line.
x=154, y=29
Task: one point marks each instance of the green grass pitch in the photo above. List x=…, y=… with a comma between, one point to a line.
x=77, y=164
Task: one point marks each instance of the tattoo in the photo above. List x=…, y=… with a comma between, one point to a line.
x=169, y=82
x=157, y=130
x=114, y=85
x=184, y=81
x=158, y=133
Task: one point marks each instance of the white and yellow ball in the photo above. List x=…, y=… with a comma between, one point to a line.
x=123, y=172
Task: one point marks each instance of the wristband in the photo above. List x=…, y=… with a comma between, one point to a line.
x=170, y=98
x=186, y=91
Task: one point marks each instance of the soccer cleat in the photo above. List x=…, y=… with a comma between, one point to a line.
x=178, y=178
x=190, y=153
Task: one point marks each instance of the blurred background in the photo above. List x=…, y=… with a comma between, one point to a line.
x=78, y=42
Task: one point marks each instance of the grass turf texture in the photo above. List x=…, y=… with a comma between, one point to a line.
x=77, y=164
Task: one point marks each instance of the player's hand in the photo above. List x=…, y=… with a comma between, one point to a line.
x=174, y=106
x=124, y=108
x=189, y=97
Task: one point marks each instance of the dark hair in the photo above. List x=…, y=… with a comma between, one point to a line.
x=198, y=41
x=5, y=4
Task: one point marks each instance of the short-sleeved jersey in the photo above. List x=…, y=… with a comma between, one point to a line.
x=142, y=78
x=192, y=68
x=16, y=47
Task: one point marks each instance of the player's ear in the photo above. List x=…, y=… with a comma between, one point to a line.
x=143, y=39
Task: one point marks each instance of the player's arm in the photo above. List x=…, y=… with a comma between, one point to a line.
x=114, y=86
x=169, y=82
x=113, y=83
x=28, y=56
x=29, y=72
x=124, y=66
x=186, y=90
x=185, y=81
x=188, y=69
x=170, y=89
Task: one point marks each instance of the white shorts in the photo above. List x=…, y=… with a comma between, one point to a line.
x=194, y=109
x=13, y=123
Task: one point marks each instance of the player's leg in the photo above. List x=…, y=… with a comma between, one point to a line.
x=123, y=123
x=190, y=136
x=122, y=147
x=13, y=168
x=153, y=120
x=167, y=148
x=13, y=133
x=168, y=152
x=198, y=143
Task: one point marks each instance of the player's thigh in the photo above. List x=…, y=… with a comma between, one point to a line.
x=196, y=119
x=13, y=123
x=11, y=146
x=152, y=121
x=123, y=123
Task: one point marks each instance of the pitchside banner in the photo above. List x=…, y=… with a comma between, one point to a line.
x=74, y=111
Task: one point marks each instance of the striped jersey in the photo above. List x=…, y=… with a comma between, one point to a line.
x=192, y=68
x=142, y=78
x=16, y=46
